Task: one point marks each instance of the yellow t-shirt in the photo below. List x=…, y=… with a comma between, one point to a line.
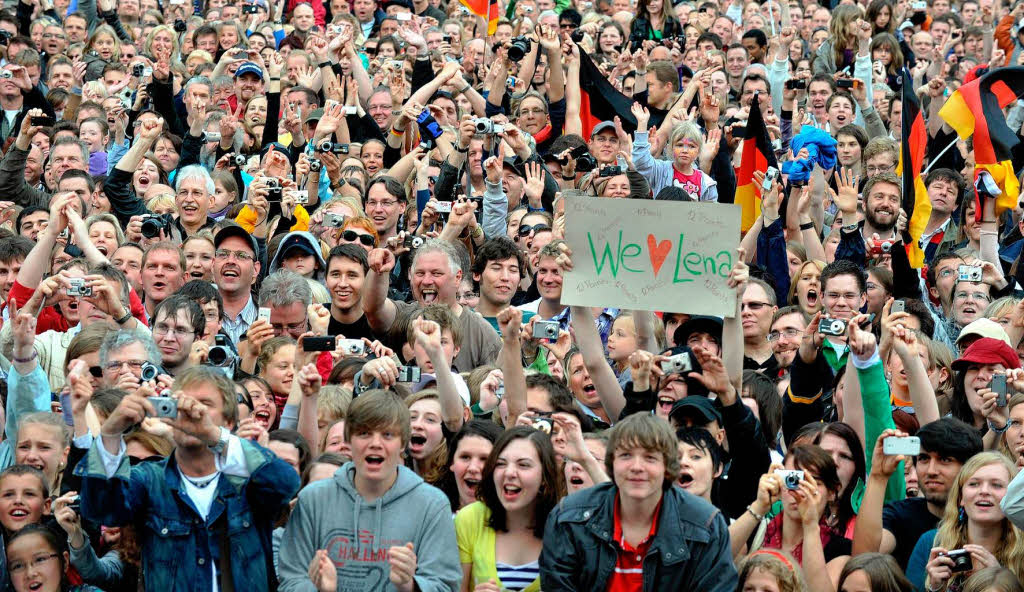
x=476, y=544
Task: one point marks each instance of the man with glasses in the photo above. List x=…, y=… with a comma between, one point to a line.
x=236, y=265
x=288, y=297
x=880, y=156
x=122, y=356
x=969, y=302
x=788, y=327
x=757, y=308
x=385, y=202
x=346, y=276
x=178, y=323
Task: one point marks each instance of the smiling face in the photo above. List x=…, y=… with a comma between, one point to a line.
x=638, y=473
x=344, y=280
x=280, y=372
x=843, y=297
x=264, y=411
x=199, y=259
x=499, y=281
x=622, y=340
x=982, y=493
x=35, y=565
x=232, y=275
x=21, y=501
x=882, y=206
x=518, y=474
x=468, y=466
x=785, y=345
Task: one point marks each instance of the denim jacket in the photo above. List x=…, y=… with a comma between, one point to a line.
x=177, y=545
x=689, y=552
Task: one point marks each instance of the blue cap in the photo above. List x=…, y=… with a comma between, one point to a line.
x=249, y=68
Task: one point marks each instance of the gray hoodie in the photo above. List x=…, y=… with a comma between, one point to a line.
x=331, y=515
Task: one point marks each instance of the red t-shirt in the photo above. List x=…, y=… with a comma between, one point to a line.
x=50, y=319
x=629, y=567
x=688, y=183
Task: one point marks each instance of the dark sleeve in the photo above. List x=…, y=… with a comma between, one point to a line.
x=162, y=98
x=391, y=155
x=559, y=557
x=639, y=188
x=771, y=254
x=750, y=457
x=712, y=565
x=638, y=402
x=422, y=73
x=905, y=282
x=556, y=113
x=24, y=16
x=802, y=403
x=190, y=149
x=364, y=128
x=851, y=247
x=490, y=109
x=12, y=180
x=34, y=99
x=950, y=159
x=447, y=182
x=273, y=118
x=114, y=21
x=123, y=202
x=722, y=172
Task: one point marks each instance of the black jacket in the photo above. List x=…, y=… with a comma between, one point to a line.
x=689, y=552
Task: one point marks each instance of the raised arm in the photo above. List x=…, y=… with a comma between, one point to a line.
x=510, y=359
x=380, y=310
x=427, y=334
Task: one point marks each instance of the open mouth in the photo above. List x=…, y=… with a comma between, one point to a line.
x=157, y=286
x=18, y=513
x=263, y=416
x=102, y=249
x=417, y=442
x=144, y=182
x=685, y=480
x=196, y=274
x=812, y=297
x=429, y=295
x=589, y=389
x=35, y=586
x=576, y=481
x=511, y=492
x=374, y=461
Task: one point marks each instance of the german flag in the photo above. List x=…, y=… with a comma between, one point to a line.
x=976, y=108
x=486, y=9
x=757, y=155
x=600, y=101
x=913, y=144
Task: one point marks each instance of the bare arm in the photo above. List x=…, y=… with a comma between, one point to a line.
x=510, y=360
x=428, y=336
x=380, y=310
x=601, y=373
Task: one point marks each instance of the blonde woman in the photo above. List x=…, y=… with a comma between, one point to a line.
x=972, y=522
x=805, y=287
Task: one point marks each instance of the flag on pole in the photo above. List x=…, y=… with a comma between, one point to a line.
x=485, y=9
x=600, y=101
x=913, y=145
x=757, y=155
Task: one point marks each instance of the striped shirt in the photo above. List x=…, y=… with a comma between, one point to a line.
x=517, y=577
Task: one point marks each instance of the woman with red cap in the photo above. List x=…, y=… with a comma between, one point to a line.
x=973, y=399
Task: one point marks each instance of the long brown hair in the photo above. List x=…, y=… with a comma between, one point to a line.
x=552, y=486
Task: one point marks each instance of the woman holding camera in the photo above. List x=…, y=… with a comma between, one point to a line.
x=973, y=534
x=806, y=485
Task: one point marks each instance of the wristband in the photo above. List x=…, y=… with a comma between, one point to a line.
x=461, y=150
x=991, y=425
x=127, y=317
x=35, y=354
x=755, y=515
x=397, y=132
x=807, y=226
x=466, y=88
x=324, y=65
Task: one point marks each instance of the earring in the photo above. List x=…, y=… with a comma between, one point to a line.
x=961, y=516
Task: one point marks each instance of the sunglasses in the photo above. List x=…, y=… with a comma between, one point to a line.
x=526, y=230
x=353, y=236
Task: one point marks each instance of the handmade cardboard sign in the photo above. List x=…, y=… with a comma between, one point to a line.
x=651, y=255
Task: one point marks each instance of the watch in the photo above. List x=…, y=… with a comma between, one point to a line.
x=222, y=442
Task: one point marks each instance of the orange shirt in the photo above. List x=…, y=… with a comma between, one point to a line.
x=629, y=566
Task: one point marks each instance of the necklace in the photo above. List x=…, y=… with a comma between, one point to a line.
x=200, y=483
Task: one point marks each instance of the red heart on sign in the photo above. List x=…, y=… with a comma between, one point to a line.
x=658, y=251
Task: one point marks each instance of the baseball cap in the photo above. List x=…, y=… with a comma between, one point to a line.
x=235, y=230
x=313, y=115
x=295, y=241
x=988, y=351
x=601, y=127
x=983, y=328
x=249, y=68
x=700, y=409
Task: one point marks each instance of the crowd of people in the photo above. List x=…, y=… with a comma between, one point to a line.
x=282, y=301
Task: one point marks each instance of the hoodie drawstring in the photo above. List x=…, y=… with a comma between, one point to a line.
x=355, y=529
x=379, y=529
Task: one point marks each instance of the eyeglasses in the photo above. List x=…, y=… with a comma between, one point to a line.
x=223, y=254
x=975, y=296
x=162, y=329
x=351, y=236
x=132, y=364
x=878, y=170
x=386, y=204
x=789, y=333
x=467, y=296
x=37, y=562
x=754, y=305
x=526, y=230
x=292, y=328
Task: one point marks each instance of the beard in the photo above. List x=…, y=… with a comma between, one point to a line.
x=873, y=220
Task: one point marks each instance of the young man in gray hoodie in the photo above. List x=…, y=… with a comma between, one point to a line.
x=376, y=525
